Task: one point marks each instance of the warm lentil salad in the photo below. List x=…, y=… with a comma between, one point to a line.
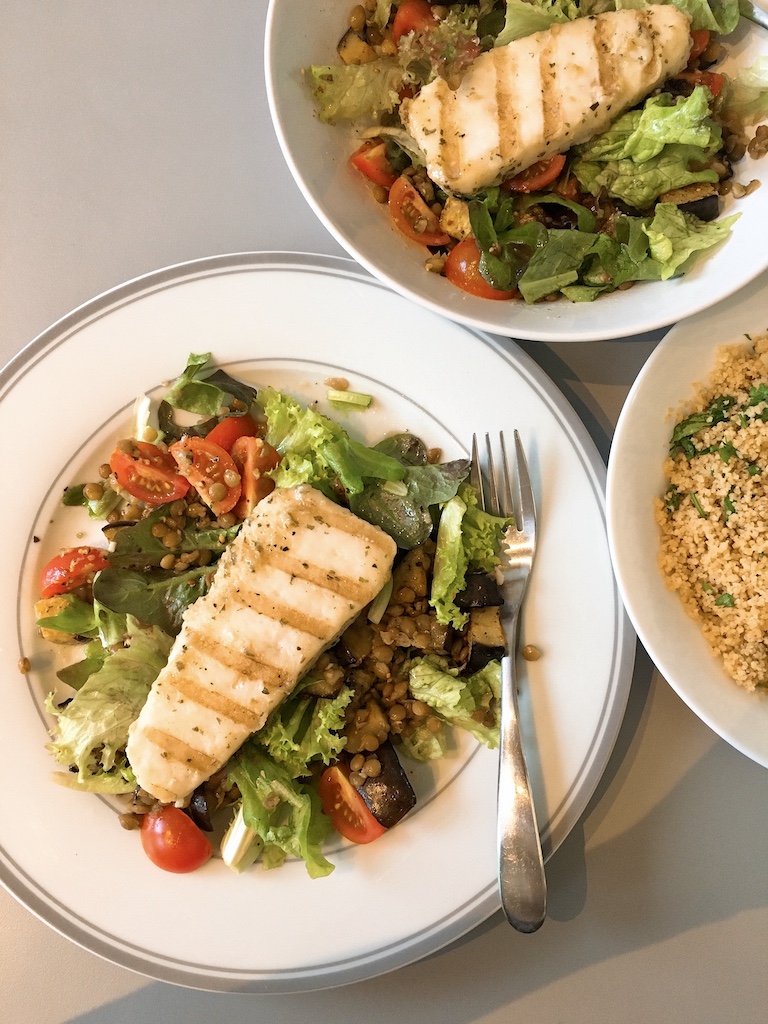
x=420, y=660
x=713, y=516
x=639, y=201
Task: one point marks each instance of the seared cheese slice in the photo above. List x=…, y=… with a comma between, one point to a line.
x=540, y=95
x=298, y=573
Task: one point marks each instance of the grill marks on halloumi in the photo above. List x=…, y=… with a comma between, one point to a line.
x=540, y=95
x=297, y=574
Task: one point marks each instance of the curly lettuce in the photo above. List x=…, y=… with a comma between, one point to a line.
x=466, y=537
x=91, y=730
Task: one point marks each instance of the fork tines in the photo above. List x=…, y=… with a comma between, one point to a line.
x=501, y=499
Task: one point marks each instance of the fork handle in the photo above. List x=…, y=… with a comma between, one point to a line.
x=522, y=882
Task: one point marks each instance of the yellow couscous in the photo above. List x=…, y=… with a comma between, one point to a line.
x=713, y=516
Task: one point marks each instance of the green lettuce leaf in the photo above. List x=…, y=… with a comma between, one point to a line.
x=76, y=616
x=86, y=619
x=721, y=16
x=556, y=265
x=153, y=597
x=136, y=546
x=97, y=508
x=649, y=151
x=676, y=237
x=523, y=17
x=202, y=388
x=92, y=729
x=355, y=92
x=405, y=513
x=286, y=815
x=302, y=436
x=305, y=728
x=450, y=565
x=745, y=96
x=466, y=536
x=76, y=674
x=421, y=744
x=457, y=699
x=390, y=485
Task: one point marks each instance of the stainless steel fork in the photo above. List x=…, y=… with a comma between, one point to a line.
x=522, y=882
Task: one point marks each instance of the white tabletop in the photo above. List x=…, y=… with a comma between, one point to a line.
x=135, y=134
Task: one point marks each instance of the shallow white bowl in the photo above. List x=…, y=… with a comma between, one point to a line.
x=300, y=34
x=635, y=479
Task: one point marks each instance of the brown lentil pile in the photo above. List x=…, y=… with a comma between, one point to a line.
x=373, y=658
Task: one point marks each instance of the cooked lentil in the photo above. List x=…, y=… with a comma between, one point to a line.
x=713, y=516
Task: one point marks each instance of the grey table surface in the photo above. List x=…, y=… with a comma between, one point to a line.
x=135, y=134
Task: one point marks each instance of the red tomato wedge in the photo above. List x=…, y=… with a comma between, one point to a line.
x=71, y=569
x=537, y=176
x=710, y=79
x=254, y=457
x=462, y=268
x=412, y=16
x=346, y=808
x=173, y=842
x=227, y=431
x=210, y=470
x=371, y=160
x=412, y=216
x=148, y=473
x=700, y=37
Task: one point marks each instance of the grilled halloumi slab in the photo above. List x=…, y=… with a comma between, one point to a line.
x=296, y=575
x=540, y=95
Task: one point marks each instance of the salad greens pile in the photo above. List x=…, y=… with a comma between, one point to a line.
x=137, y=610
x=665, y=144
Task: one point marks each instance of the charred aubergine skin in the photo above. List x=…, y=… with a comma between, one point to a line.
x=390, y=795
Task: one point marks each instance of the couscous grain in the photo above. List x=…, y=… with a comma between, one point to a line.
x=713, y=515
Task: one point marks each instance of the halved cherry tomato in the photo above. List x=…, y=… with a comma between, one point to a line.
x=371, y=160
x=148, y=473
x=210, y=470
x=462, y=268
x=71, y=569
x=412, y=216
x=412, y=16
x=253, y=457
x=173, y=842
x=710, y=79
x=227, y=431
x=537, y=176
x=346, y=808
x=700, y=37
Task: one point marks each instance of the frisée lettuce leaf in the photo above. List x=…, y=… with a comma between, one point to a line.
x=285, y=815
x=466, y=702
x=466, y=537
x=351, y=92
x=91, y=730
x=305, y=728
x=386, y=485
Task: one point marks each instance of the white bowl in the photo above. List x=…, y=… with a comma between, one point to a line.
x=300, y=34
x=635, y=479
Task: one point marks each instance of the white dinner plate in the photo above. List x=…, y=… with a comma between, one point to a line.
x=300, y=34
x=686, y=356
x=293, y=321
